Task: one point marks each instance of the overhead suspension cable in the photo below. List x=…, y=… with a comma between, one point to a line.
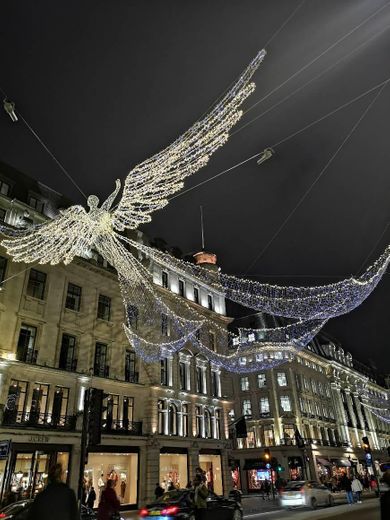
x=300, y=88
x=322, y=172
x=311, y=62
x=285, y=139
x=46, y=148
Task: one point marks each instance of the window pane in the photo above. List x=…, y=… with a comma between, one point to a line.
x=3, y=268
x=244, y=384
x=164, y=279
x=26, y=344
x=285, y=403
x=73, y=297
x=67, y=354
x=36, y=284
x=246, y=407
x=100, y=366
x=261, y=380
x=104, y=307
x=282, y=379
x=264, y=405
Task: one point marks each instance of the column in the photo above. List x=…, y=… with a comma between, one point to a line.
x=339, y=412
x=193, y=460
x=149, y=470
x=75, y=467
x=277, y=420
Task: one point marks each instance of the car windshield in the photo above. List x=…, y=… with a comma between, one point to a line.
x=295, y=484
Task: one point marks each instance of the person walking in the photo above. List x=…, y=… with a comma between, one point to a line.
x=56, y=500
x=201, y=492
x=357, y=489
x=109, y=503
x=91, y=497
x=346, y=484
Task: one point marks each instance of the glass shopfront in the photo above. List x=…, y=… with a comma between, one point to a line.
x=212, y=465
x=256, y=477
x=173, y=470
x=29, y=468
x=121, y=468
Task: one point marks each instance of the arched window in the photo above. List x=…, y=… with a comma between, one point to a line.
x=172, y=419
x=185, y=420
x=199, y=420
x=218, y=424
x=161, y=414
x=207, y=425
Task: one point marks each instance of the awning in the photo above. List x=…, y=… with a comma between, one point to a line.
x=324, y=462
x=341, y=463
x=254, y=464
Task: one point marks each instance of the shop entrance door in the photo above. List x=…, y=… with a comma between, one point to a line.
x=29, y=471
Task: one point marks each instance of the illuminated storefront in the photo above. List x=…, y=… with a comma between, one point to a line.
x=256, y=473
x=173, y=468
x=29, y=466
x=212, y=465
x=121, y=468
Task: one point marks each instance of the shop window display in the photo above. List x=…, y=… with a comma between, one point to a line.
x=211, y=464
x=29, y=471
x=121, y=468
x=173, y=470
x=256, y=477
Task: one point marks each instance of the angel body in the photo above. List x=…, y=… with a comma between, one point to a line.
x=75, y=231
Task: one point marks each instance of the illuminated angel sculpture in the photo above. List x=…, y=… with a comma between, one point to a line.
x=155, y=327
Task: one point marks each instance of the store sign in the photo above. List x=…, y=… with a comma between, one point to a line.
x=5, y=447
x=39, y=438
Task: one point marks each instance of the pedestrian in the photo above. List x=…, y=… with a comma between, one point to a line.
x=109, y=504
x=346, y=484
x=171, y=486
x=201, y=492
x=357, y=488
x=266, y=489
x=159, y=491
x=385, y=498
x=56, y=500
x=91, y=497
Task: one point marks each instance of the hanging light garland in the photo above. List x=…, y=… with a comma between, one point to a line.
x=160, y=326
x=378, y=405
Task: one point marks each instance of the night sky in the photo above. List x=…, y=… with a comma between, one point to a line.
x=107, y=84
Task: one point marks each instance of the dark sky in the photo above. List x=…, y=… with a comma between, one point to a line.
x=107, y=84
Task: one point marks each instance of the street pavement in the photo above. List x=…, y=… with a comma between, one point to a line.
x=255, y=508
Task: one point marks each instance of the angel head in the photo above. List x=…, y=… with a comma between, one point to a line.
x=93, y=201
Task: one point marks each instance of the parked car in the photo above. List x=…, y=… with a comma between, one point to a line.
x=178, y=505
x=305, y=493
x=19, y=511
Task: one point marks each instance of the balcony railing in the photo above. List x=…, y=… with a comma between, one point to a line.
x=101, y=371
x=28, y=357
x=43, y=421
x=123, y=427
x=69, y=366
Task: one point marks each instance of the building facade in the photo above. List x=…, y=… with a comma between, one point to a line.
x=317, y=394
x=61, y=333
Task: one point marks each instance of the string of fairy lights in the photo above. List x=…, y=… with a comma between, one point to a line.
x=159, y=325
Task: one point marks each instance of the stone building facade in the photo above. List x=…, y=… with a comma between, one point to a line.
x=61, y=333
x=317, y=394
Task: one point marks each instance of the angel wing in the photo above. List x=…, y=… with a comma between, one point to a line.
x=59, y=240
x=150, y=183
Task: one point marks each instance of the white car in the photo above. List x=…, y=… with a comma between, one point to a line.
x=305, y=493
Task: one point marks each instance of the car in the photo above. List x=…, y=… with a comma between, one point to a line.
x=178, y=505
x=19, y=511
x=305, y=493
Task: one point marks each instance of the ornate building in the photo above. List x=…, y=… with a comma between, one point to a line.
x=317, y=394
x=61, y=333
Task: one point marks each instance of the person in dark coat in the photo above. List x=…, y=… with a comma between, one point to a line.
x=91, y=497
x=109, y=503
x=385, y=498
x=158, y=492
x=57, y=500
